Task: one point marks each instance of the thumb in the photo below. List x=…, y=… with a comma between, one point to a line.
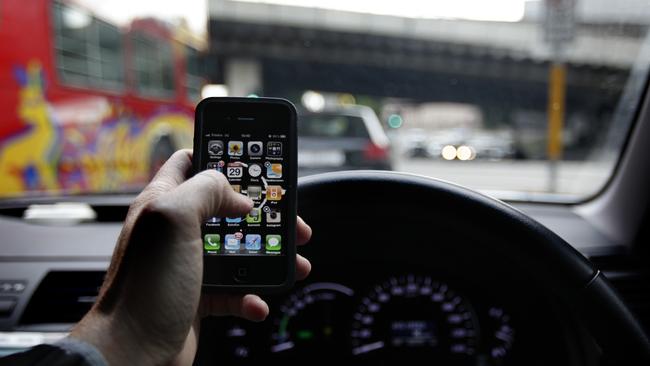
x=208, y=194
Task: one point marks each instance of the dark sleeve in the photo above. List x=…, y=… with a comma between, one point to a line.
x=66, y=352
x=44, y=354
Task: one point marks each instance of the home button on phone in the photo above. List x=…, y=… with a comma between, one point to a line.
x=241, y=274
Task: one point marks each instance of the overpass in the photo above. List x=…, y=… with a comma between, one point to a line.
x=258, y=47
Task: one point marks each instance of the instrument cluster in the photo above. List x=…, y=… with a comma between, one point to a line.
x=408, y=317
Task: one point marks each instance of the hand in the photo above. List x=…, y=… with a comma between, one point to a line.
x=150, y=304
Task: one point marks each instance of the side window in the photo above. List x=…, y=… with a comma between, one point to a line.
x=193, y=74
x=154, y=66
x=89, y=52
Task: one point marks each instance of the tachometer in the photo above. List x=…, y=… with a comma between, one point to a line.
x=418, y=316
x=311, y=323
x=499, y=334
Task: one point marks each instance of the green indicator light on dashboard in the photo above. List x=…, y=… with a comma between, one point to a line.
x=305, y=334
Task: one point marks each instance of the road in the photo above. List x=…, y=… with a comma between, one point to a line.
x=574, y=178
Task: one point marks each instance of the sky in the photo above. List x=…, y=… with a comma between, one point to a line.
x=195, y=11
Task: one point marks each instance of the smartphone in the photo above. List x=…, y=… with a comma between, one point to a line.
x=253, y=143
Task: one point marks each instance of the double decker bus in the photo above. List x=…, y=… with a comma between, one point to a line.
x=87, y=106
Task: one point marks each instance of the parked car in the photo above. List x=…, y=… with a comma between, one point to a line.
x=342, y=138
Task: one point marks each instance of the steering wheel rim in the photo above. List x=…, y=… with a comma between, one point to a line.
x=556, y=265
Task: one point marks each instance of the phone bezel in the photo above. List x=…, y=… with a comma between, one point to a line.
x=221, y=273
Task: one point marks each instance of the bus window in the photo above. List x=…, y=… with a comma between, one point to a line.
x=89, y=52
x=154, y=69
x=194, y=80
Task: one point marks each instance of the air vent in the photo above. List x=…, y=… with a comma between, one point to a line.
x=63, y=297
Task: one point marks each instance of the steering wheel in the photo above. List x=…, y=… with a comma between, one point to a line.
x=555, y=268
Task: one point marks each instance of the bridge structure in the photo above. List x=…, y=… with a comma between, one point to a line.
x=272, y=49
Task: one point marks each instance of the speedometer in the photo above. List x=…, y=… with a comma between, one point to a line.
x=415, y=317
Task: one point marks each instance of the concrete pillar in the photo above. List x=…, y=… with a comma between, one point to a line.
x=243, y=76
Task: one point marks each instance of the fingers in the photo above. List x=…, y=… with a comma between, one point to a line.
x=250, y=307
x=175, y=169
x=303, y=232
x=168, y=177
x=205, y=195
x=303, y=267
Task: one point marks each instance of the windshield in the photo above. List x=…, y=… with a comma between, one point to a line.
x=523, y=99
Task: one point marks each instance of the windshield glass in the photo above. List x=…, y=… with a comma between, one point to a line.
x=523, y=99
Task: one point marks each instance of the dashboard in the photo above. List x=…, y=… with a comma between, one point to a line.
x=378, y=294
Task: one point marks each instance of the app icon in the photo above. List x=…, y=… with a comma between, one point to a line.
x=215, y=147
x=236, y=188
x=254, y=170
x=234, y=170
x=214, y=220
x=274, y=148
x=273, y=171
x=212, y=241
x=253, y=242
x=273, y=242
x=273, y=193
x=233, y=220
x=273, y=216
x=216, y=165
x=255, y=216
x=235, y=148
x=255, y=148
x=232, y=241
x=254, y=192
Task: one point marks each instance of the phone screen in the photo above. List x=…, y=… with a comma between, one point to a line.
x=252, y=150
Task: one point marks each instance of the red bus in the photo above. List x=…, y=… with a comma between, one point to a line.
x=87, y=106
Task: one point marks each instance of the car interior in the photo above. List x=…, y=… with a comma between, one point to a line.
x=490, y=254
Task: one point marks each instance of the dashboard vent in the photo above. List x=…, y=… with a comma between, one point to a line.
x=634, y=287
x=63, y=297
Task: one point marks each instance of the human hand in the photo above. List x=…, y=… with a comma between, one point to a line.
x=150, y=304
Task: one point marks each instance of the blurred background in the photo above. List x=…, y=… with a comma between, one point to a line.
x=522, y=99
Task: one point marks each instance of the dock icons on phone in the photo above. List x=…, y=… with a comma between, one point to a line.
x=212, y=242
x=273, y=243
x=253, y=242
x=233, y=241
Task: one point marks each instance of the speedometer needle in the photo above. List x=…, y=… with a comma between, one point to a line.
x=368, y=348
